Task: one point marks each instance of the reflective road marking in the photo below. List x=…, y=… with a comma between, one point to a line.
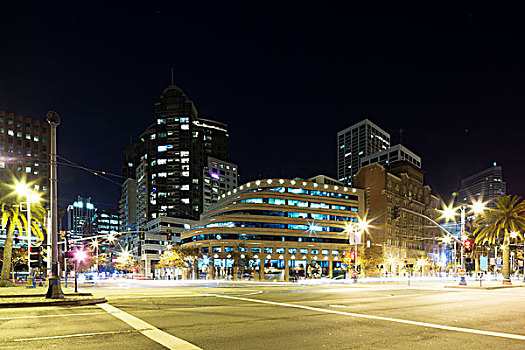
x=72, y=335
x=389, y=319
x=61, y=315
x=155, y=334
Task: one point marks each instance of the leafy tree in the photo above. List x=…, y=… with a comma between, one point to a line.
x=13, y=218
x=496, y=225
x=171, y=258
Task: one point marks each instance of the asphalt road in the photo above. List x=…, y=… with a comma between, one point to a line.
x=425, y=316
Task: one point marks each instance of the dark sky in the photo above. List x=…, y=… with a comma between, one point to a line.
x=285, y=78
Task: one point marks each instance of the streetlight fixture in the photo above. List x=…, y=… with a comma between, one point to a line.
x=355, y=231
x=94, y=244
x=449, y=213
x=80, y=255
x=23, y=189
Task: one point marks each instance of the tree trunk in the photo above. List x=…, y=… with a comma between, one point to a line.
x=8, y=255
x=506, y=259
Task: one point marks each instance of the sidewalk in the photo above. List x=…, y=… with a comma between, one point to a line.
x=486, y=285
x=20, y=296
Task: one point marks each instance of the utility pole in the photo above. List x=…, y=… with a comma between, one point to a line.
x=54, y=290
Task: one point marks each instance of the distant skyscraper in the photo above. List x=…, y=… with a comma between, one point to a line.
x=24, y=151
x=354, y=143
x=79, y=214
x=128, y=205
x=104, y=221
x=392, y=154
x=485, y=185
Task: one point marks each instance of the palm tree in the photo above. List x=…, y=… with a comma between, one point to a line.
x=496, y=225
x=13, y=218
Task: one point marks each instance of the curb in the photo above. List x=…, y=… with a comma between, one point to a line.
x=43, y=295
x=55, y=303
x=488, y=287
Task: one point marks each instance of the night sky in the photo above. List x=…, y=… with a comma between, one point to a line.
x=285, y=78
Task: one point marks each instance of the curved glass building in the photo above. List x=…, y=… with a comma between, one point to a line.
x=295, y=228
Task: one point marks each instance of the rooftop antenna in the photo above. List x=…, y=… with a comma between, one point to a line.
x=171, y=76
x=401, y=135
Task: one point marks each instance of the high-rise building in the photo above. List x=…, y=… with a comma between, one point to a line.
x=24, y=151
x=104, y=221
x=354, y=143
x=179, y=167
x=392, y=154
x=484, y=186
x=219, y=177
x=79, y=214
x=171, y=156
x=128, y=205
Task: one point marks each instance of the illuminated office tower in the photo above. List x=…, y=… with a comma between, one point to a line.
x=79, y=213
x=356, y=142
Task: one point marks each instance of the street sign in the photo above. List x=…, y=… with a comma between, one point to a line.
x=355, y=273
x=462, y=272
x=480, y=274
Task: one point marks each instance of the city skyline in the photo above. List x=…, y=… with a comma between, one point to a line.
x=284, y=93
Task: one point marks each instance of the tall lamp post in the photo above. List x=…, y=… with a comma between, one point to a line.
x=54, y=290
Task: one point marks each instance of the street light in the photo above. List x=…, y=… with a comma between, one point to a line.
x=79, y=256
x=94, y=244
x=449, y=213
x=355, y=230
x=23, y=189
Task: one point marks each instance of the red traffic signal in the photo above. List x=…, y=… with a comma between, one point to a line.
x=468, y=244
x=352, y=256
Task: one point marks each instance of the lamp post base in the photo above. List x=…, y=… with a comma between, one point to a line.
x=462, y=281
x=54, y=290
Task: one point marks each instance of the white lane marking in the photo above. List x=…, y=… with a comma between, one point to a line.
x=60, y=315
x=72, y=335
x=389, y=319
x=155, y=334
x=154, y=296
x=252, y=293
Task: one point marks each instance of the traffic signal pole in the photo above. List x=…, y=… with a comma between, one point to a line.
x=463, y=281
x=462, y=243
x=30, y=280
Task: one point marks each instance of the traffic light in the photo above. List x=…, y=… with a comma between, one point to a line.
x=468, y=244
x=16, y=240
x=352, y=256
x=168, y=235
x=141, y=235
x=35, y=256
